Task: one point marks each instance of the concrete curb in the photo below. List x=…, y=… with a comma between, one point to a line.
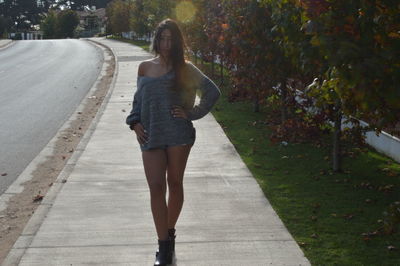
x=4, y=44
x=33, y=225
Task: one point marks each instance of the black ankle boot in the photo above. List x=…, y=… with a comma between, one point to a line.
x=172, y=236
x=163, y=256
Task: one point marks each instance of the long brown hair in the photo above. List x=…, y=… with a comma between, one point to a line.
x=178, y=47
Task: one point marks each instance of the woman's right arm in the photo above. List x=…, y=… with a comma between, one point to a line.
x=133, y=119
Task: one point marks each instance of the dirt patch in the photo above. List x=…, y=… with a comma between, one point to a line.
x=21, y=206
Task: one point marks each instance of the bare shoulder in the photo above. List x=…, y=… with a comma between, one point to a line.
x=145, y=66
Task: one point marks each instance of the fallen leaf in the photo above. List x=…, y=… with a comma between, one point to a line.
x=391, y=247
x=64, y=181
x=123, y=110
x=3, y=174
x=366, y=238
x=302, y=244
x=391, y=174
x=38, y=197
x=314, y=218
x=63, y=157
x=348, y=216
x=285, y=157
x=316, y=205
x=314, y=235
x=368, y=200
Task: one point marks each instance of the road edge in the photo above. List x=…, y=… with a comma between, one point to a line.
x=34, y=223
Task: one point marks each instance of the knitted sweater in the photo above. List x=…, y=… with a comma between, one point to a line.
x=153, y=101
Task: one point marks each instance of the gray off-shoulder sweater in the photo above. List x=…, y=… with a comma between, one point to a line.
x=153, y=101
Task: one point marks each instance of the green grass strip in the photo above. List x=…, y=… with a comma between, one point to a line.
x=142, y=44
x=325, y=212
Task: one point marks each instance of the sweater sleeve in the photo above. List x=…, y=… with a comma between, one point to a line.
x=209, y=93
x=134, y=115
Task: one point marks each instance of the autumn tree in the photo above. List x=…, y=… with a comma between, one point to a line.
x=118, y=13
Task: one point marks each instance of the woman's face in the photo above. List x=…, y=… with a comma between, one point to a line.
x=165, y=42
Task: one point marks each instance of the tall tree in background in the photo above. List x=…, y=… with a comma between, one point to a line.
x=3, y=26
x=67, y=20
x=158, y=10
x=24, y=14
x=118, y=13
x=60, y=24
x=138, y=20
x=81, y=4
x=49, y=25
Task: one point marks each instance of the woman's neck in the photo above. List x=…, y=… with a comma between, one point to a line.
x=165, y=62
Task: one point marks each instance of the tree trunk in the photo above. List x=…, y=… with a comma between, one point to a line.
x=221, y=64
x=284, y=98
x=212, y=64
x=256, y=104
x=336, y=159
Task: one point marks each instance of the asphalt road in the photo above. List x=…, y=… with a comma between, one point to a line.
x=42, y=83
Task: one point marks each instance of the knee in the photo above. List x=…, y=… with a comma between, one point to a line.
x=157, y=189
x=175, y=186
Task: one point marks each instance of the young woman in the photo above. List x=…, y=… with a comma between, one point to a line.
x=162, y=113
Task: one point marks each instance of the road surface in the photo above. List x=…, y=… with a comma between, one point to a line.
x=42, y=82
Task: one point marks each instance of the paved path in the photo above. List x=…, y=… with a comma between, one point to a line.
x=101, y=215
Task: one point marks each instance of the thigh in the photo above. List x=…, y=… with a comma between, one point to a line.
x=155, y=166
x=177, y=159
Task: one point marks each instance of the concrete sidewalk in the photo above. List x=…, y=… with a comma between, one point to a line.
x=101, y=215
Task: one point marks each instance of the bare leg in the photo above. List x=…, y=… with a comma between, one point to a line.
x=155, y=166
x=177, y=158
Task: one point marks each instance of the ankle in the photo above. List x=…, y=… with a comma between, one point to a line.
x=171, y=231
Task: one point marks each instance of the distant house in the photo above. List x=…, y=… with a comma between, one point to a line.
x=92, y=21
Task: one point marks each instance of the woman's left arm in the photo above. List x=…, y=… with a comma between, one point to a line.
x=209, y=96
